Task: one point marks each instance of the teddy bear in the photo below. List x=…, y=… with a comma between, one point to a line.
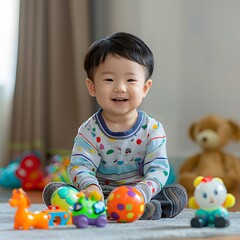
x=212, y=133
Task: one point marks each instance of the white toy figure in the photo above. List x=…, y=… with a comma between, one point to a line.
x=211, y=200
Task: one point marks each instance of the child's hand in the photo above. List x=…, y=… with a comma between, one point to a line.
x=88, y=190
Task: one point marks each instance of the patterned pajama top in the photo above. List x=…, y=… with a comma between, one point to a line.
x=136, y=157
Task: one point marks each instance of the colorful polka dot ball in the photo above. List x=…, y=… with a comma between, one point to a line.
x=125, y=204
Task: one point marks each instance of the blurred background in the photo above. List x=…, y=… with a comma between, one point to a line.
x=43, y=98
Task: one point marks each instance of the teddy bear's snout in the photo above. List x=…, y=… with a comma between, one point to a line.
x=203, y=138
x=208, y=139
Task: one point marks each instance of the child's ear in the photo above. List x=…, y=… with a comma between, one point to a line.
x=147, y=86
x=90, y=87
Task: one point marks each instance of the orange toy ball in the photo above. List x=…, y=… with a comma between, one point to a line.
x=125, y=204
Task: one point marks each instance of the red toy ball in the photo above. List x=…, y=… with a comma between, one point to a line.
x=125, y=204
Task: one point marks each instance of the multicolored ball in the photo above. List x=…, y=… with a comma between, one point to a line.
x=125, y=204
x=64, y=197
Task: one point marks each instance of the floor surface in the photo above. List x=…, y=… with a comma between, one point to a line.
x=36, y=197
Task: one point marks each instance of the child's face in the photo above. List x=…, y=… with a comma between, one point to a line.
x=119, y=85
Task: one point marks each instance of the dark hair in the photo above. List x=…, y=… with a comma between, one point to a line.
x=119, y=44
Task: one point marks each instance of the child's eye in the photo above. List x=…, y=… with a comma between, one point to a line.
x=131, y=80
x=108, y=80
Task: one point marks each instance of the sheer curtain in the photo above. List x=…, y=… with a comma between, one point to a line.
x=9, y=19
x=50, y=98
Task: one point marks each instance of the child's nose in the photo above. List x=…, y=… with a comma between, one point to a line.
x=120, y=87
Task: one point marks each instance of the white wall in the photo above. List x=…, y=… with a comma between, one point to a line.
x=197, y=58
x=209, y=79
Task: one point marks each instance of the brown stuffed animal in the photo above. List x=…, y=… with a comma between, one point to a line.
x=212, y=133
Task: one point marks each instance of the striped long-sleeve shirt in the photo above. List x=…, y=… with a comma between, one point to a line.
x=136, y=157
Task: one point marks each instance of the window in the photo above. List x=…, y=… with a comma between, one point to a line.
x=9, y=22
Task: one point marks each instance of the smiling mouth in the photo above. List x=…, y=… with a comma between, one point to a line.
x=119, y=99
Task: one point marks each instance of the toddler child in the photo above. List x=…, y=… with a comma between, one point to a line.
x=120, y=144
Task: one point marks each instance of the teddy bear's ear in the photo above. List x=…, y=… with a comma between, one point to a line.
x=191, y=131
x=235, y=130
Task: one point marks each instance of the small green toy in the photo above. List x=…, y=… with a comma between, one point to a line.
x=89, y=211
